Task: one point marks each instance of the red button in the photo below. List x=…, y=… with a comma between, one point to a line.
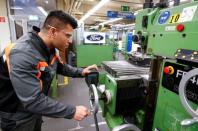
x=166, y=70
x=169, y=70
x=180, y=27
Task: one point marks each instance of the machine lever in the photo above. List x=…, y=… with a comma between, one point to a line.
x=126, y=127
x=96, y=122
x=188, y=122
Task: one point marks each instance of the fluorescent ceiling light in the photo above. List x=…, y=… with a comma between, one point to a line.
x=42, y=10
x=93, y=10
x=110, y=21
x=16, y=8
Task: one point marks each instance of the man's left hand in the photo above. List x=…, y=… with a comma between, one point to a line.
x=87, y=70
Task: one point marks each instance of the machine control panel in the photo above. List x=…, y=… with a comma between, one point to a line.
x=171, y=81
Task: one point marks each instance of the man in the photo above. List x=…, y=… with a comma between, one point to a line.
x=26, y=72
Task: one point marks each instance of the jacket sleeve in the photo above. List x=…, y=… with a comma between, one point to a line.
x=67, y=70
x=28, y=89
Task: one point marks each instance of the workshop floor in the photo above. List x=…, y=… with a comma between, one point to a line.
x=76, y=93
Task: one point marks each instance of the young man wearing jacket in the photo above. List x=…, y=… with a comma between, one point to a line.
x=27, y=68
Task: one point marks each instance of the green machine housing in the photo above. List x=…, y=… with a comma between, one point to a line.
x=93, y=54
x=169, y=35
x=124, y=93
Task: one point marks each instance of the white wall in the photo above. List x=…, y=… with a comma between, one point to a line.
x=4, y=26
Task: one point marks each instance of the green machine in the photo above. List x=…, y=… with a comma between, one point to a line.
x=93, y=54
x=93, y=49
x=164, y=96
x=169, y=35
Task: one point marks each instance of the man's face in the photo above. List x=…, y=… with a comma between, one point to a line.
x=62, y=37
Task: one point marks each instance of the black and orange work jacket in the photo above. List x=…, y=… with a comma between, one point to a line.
x=26, y=73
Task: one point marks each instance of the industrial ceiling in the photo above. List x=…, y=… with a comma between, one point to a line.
x=77, y=8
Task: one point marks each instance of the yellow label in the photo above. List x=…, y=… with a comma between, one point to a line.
x=174, y=18
x=66, y=81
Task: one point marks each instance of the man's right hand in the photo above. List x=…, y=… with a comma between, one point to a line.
x=81, y=113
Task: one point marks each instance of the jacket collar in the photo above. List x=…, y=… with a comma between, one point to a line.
x=39, y=44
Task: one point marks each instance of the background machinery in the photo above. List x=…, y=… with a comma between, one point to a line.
x=91, y=48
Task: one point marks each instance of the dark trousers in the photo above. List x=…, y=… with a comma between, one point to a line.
x=33, y=124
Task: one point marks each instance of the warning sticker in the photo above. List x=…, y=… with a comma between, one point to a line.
x=187, y=14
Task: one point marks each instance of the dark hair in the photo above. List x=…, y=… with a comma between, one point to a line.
x=59, y=19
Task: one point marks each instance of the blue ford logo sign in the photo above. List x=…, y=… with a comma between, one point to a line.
x=95, y=37
x=164, y=17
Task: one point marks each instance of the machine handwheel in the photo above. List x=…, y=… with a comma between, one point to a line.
x=93, y=95
x=183, y=97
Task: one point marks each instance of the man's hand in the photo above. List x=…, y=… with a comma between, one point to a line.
x=81, y=113
x=88, y=69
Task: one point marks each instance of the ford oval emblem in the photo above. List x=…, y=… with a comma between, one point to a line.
x=95, y=37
